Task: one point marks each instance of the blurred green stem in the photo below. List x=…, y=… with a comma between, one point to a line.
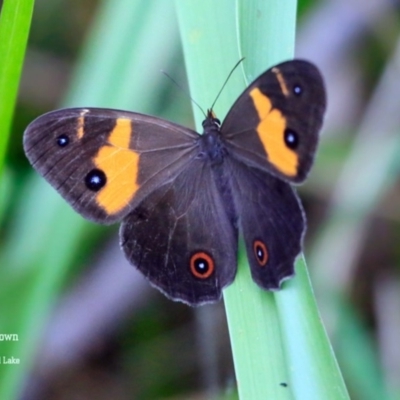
x=279, y=344
x=15, y=20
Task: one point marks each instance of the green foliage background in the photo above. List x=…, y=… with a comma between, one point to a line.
x=109, y=54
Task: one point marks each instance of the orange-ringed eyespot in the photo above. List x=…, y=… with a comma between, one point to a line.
x=201, y=265
x=261, y=252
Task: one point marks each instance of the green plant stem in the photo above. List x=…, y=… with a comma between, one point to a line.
x=272, y=336
x=209, y=38
x=15, y=20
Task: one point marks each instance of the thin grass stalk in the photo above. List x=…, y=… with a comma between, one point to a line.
x=261, y=325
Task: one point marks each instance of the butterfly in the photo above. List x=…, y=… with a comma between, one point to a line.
x=182, y=197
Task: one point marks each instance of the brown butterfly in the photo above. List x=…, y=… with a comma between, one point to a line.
x=182, y=197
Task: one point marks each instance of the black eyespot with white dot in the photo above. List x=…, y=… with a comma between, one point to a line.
x=297, y=90
x=291, y=139
x=62, y=140
x=95, y=180
x=201, y=265
x=261, y=252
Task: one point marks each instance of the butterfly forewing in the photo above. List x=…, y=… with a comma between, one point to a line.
x=274, y=124
x=104, y=162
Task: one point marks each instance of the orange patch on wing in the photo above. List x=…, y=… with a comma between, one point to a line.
x=281, y=81
x=81, y=122
x=271, y=131
x=120, y=164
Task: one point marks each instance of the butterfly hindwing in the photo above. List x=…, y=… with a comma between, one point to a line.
x=274, y=124
x=183, y=237
x=104, y=162
x=272, y=222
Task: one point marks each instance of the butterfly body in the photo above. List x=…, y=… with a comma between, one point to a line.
x=182, y=197
x=211, y=142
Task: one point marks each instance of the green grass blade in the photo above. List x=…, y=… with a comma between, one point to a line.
x=259, y=24
x=209, y=37
x=314, y=372
x=15, y=21
x=261, y=325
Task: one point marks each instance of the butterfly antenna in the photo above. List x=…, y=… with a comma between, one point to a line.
x=184, y=91
x=226, y=81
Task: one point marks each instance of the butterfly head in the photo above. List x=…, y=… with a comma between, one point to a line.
x=211, y=123
x=212, y=145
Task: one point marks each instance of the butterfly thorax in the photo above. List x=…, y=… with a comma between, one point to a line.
x=211, y=143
